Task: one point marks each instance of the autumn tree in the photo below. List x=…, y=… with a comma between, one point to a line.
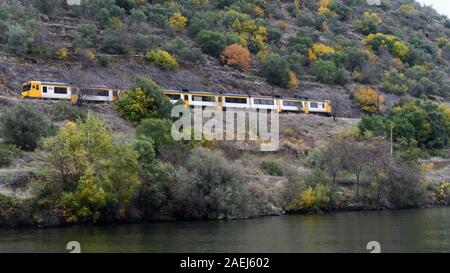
x=369, y=99
x=96, y=176
x=236, y=55
x=178, y=21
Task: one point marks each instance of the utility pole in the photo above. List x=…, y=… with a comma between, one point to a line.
x=392, y=137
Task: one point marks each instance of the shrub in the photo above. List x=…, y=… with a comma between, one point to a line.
x=178, y=21
x=98, y=177
x=19, y=40
x=143, y=42
x=47, y=6
x=112, y=41
x=23, y=126
x=276, y=70
x=103, y=59
x=181, y=49
x=7, y=153
x=293, y=82
x=369, y=99
x=143, y=100
x=63, y=110
x=209, y=188
x=328, y=72
x=395, y=46
x=312, y=198
x=159, y=130
x=63, y=54
x=85, y=36
x=319, y=49
x=162, y=59
x=210, y=42
x=271, y=168
x=236, y=55
x=395, y=82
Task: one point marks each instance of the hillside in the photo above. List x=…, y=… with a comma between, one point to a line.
x=385, y=68
x=324, y=44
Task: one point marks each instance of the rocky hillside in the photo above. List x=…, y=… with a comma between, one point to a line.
x=323, y=49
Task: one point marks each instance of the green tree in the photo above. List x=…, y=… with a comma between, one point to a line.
x=159, y=130
x=144, y=100
x=23, y=126
x=275, y=69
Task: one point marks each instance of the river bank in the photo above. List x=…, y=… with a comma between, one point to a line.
x=415, y=230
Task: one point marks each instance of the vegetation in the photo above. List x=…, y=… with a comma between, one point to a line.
x=23, y=126
x=162, y=59
x=144, y=100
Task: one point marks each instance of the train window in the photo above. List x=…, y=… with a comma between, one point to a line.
x=60, y=90
x=174, y=96
x=263, y=102
x=293, y=103
x=26, y=88
x=203, y=98
x=235, y=100
x=95, y=92
x=323, y=105
x=44, y=89
x=313, y=105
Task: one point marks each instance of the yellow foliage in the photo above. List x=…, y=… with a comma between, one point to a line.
x=319, y=49
x=178, y=21
x=443, y=190
x=63, y=54
x=297, y=6
x=200, y=2
x=398, y=64
x=293, y=82
x=368, y=99
x=116, y=22
x=161, y=58
x=324, y=6
x=259, y=11
x=441, y=41
x=427, y=166
x=263, y=54
x=408, y=9
x=373, y=16
x=90, y=55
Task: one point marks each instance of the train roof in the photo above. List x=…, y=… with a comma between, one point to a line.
x=54, y=83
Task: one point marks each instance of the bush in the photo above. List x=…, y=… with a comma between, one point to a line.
x=162, y=59
x=97, y=177
x=395, y=82
x=236, y=55
x=23, y=126
x=144, y=100
x=7, y=153
x=178, y=21
x=328, y=72
x=47, y=6
x=143, y=42
x=179, y=48
x=159, y=130
x=276, y=70
x=209, y=188
x=85, y=36
x=63, y=110
x=312, y=198
x=369, y=99
x=210, y=42
x=271, y=168
x=19, y=40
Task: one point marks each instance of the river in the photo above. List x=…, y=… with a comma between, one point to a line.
x=419, y=230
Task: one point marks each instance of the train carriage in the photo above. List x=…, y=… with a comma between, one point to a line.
x=55, y=90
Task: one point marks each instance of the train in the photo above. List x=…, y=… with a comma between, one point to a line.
x=220, y=100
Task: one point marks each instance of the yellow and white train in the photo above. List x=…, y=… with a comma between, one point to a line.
x=53, y=90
